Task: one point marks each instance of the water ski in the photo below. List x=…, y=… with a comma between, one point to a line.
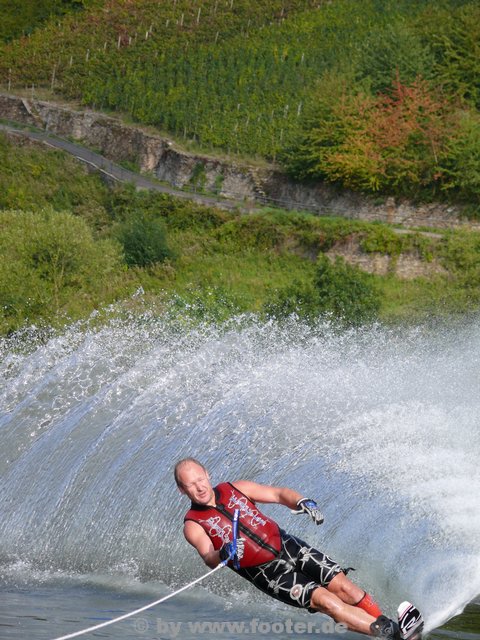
x=410, y=621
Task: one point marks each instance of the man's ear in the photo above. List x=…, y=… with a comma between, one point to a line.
x=181, y=489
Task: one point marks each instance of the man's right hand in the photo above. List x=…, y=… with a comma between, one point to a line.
x=227, y=551
x=309, y=506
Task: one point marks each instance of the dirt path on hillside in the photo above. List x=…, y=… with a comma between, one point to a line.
x=117, y=173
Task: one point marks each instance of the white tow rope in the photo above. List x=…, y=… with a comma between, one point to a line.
x=133, y=613
x=170, y=595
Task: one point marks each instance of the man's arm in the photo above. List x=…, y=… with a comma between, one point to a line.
x=264, y=493
x=197, y=537
x=280, y=495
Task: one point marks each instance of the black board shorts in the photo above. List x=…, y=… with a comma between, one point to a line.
x=293, y=576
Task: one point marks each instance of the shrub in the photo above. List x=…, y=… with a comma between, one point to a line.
x=339, y=291
x=461, y=254
x=255, y=230
x=178, y=213
x=144, y=240
x=299, y=298
x=346, y=292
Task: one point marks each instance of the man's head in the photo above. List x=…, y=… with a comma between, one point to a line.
x=193, y=480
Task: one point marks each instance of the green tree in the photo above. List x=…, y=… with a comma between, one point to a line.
x=392, y=142
x=51, y=265
x=461, y=160
x=455, y=39
x=393, y=50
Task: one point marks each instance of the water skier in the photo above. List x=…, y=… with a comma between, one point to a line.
x=276, y=562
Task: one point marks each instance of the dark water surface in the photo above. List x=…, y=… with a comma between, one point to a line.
x=49, y=611
x=45, y=612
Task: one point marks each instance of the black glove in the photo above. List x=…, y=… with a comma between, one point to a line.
x=307, y=505
x=227, y=551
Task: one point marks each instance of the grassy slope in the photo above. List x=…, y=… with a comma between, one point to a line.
x=225, y=262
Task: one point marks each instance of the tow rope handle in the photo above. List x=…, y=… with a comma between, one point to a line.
x=233, y=553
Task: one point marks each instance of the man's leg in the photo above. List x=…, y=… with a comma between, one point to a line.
x=350, y=593
x=279, y=581
x=325, y=601
x=330, y=575
x=345, y=589
x=335, y=601
x=348, y=603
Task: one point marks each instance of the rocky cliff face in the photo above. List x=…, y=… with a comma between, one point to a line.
x=162, y=158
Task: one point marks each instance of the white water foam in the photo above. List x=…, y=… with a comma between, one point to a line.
x=380, y=426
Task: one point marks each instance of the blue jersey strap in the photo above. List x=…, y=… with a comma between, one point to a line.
x=236, y=562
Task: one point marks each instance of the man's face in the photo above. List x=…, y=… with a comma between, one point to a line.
x=195, y=484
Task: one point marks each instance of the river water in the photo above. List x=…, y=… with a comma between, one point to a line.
x=380, y=425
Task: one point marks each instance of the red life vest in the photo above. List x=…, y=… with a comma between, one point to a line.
x=260, y=533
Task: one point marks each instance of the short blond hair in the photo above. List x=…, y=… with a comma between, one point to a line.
x=182, y=463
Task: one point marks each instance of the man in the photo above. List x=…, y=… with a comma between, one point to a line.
x=276, y=562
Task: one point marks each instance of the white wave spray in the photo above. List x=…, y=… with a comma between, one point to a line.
x=380, y=426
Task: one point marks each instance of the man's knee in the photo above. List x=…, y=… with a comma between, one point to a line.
x=346, y=590
x=325, y=602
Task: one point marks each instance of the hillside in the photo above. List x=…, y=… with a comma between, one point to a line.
x=318, y=86
x=70, y=246
x=380, y=97
x=21, y=18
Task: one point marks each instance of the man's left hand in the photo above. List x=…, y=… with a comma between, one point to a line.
x=309, y=506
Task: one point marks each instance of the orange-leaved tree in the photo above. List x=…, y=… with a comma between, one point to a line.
x=391, y=142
